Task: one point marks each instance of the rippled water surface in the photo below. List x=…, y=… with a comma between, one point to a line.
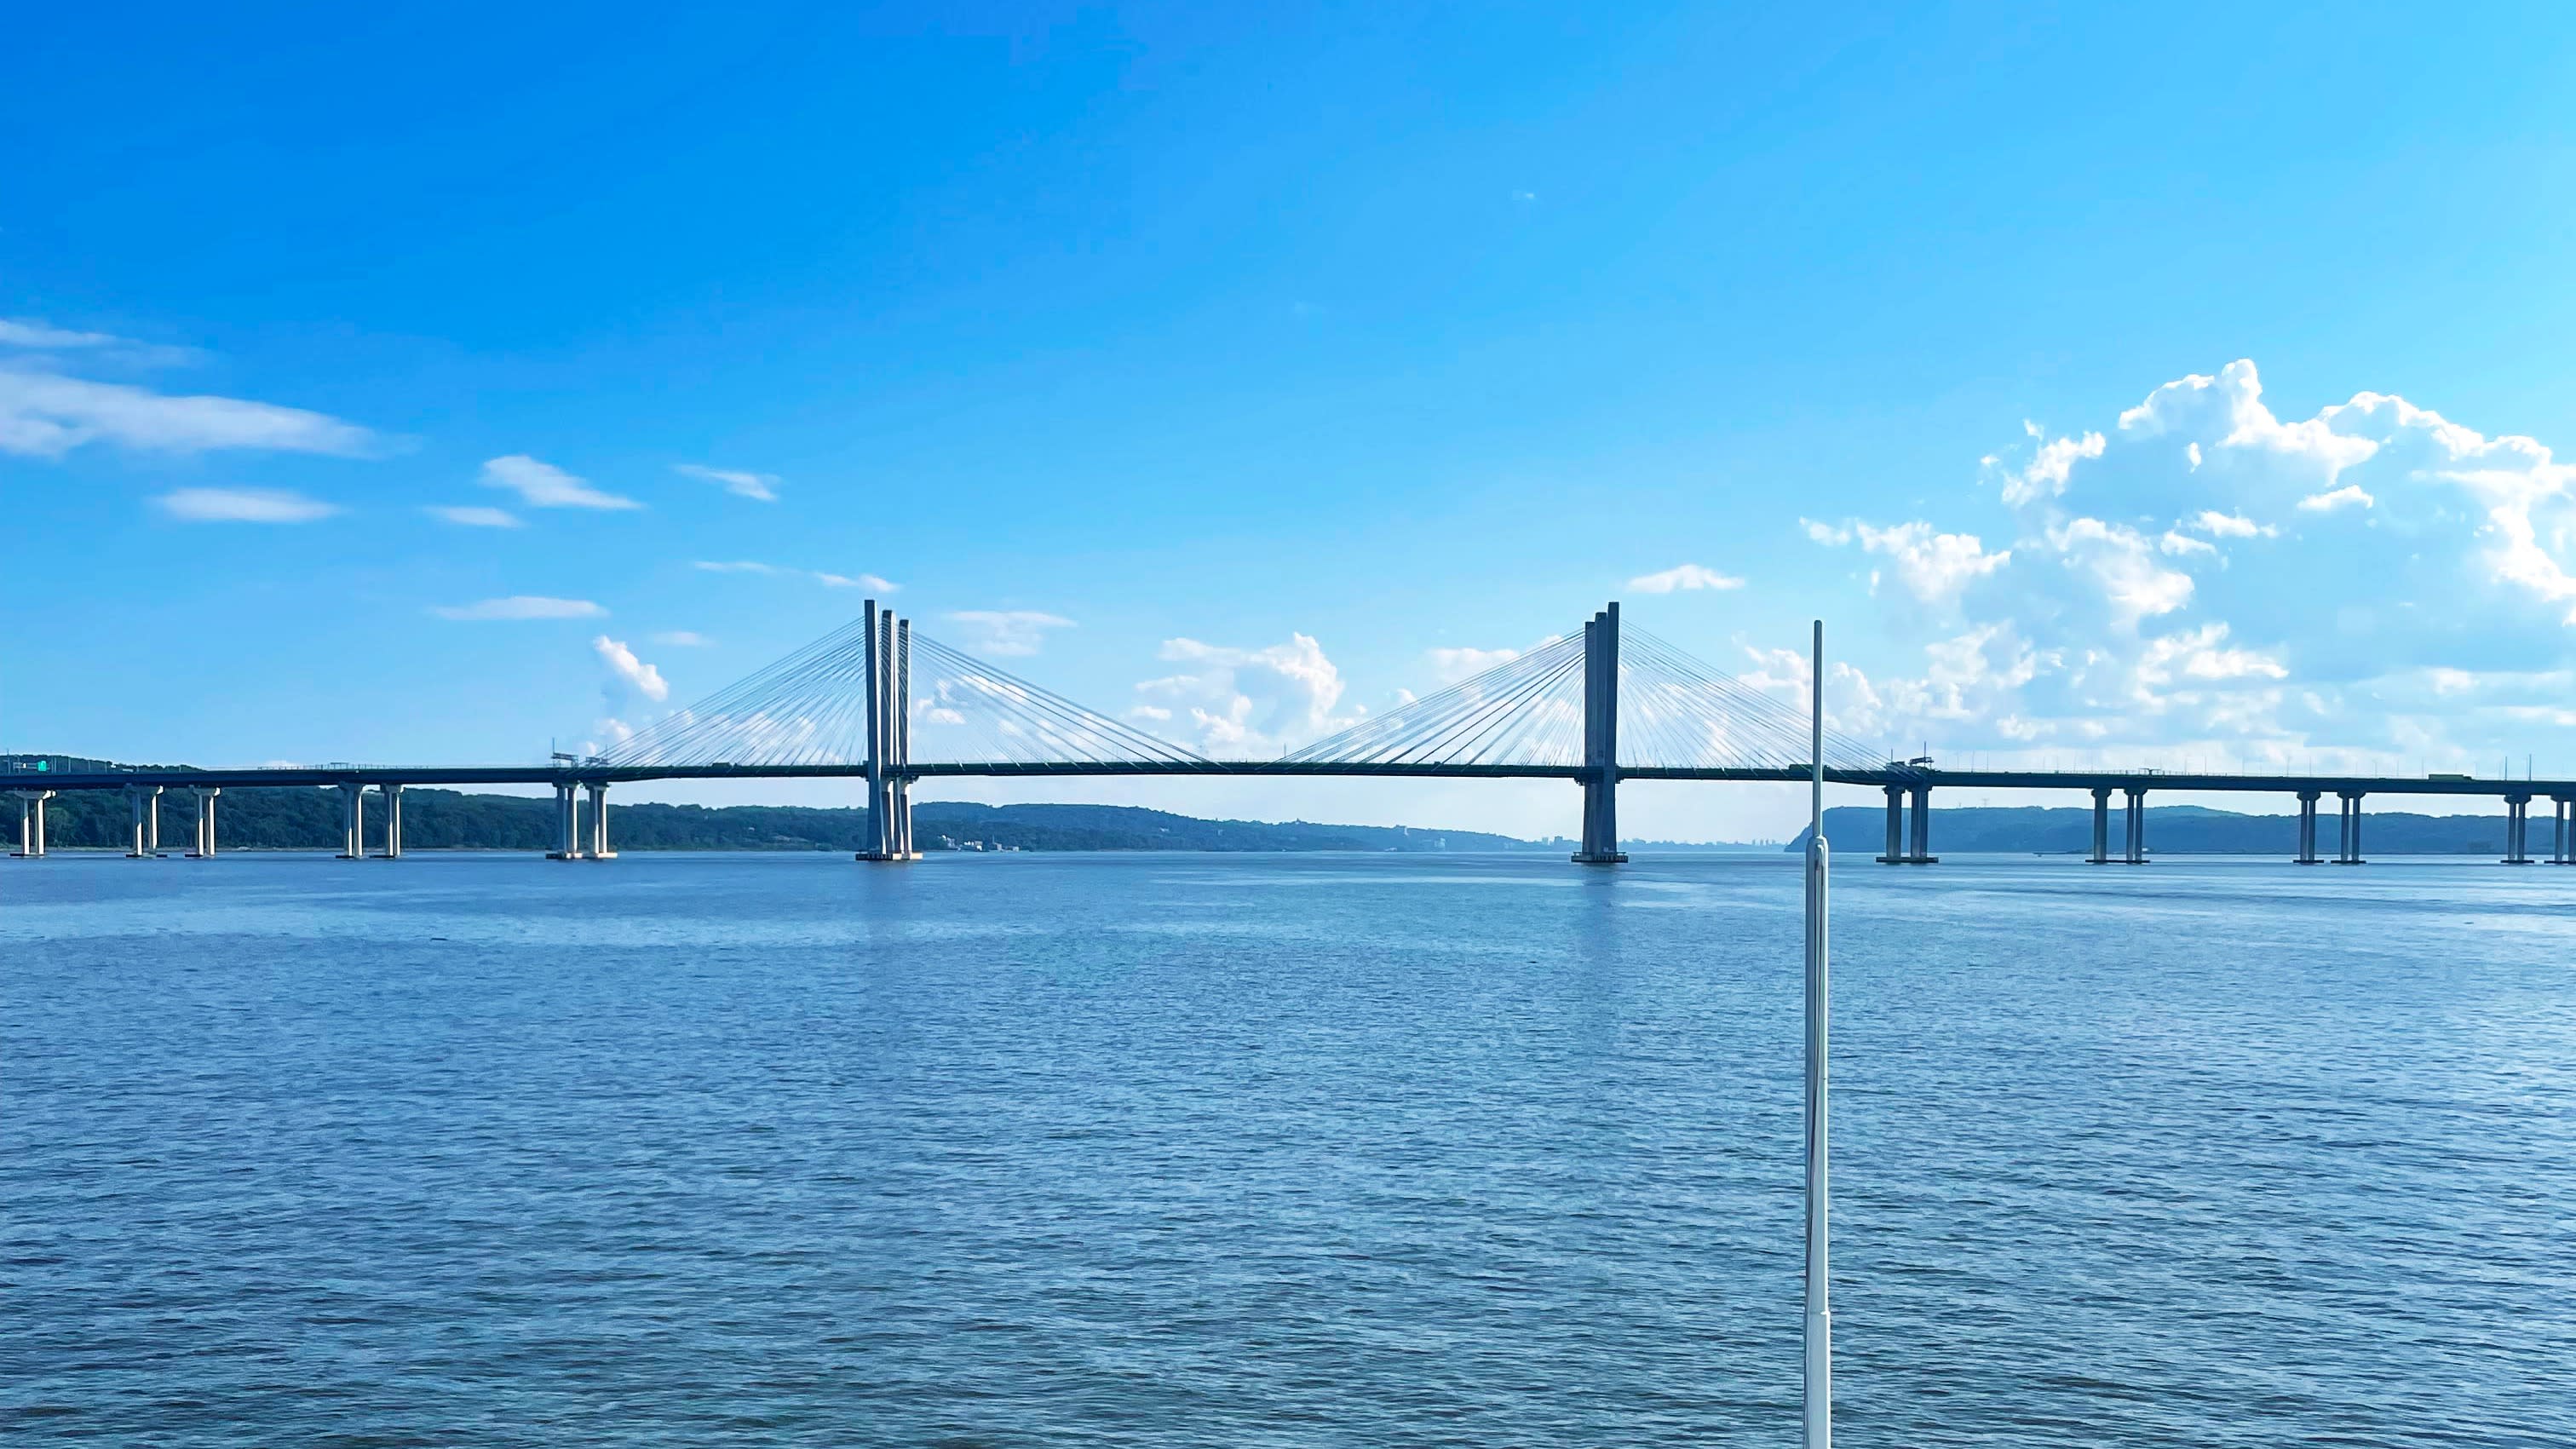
x=1278, y=1151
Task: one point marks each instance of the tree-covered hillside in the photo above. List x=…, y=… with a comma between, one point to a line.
x=2176, y=830
x=309, y=819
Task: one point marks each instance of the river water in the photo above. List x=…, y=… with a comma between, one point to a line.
x=1278, y=1150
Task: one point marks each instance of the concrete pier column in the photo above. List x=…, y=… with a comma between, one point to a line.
x=31, y=823
x=1920, y=850
x=353, y=821
x=205, y=848
x=2101, y=827
x=2137, y=823
x=1601, y=740
x=599, y=822
x=146, y=803
x=1895, y=826
x=2558, y=841
x=567, y=822
x=2350, y=800
x=2307, y=828
x=393, y=820
x=2517, y=830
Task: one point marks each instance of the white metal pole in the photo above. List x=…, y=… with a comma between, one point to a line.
x=1820, y=1320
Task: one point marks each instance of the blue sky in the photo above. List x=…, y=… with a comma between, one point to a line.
x=1278, y=352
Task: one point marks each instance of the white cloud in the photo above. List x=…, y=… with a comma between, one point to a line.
x=762, y=486
x=2122, y=564
x=2351, y=648
x=523, y=606
x=45, y=415
x=29, y=333
x=543, y=485
x=2349, y=495
x=243, y=505
x=1685, y=576
x=470, y=516
x=1450, y=666
x=1252, y=703
x=870, y=582
x=2050, y=467
x=1933, y=566
x=1008, y=631
x=2226, y=525
x=627, y=672
x=682, y=639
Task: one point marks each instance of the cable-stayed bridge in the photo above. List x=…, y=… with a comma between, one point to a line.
x=880, y=701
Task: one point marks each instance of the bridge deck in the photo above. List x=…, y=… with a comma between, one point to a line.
x=1904, y=776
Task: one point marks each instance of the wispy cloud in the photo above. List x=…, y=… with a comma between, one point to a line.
x=242, y=505
x=472, y=516
x=762, y=486
x=869, y=582
x=45, y=415
x=629, y=672
x=523, y=606
x=30, y=333
x=682, y=639
x=2350, y=495
x=543, y=485
x=1684, y=576
x=1453, y=665
x=1008, y=631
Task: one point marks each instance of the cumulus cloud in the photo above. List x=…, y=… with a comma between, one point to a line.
x=523, y=606
x=46, y=414
x=627, y=674
x=761, y=486
x=1007, y=631
x=2049, y=468
x=1934, y=567
x=1252, y=703
x=2121, y=617
x=242, y=505
x=1685, y=576
x=470, y=516
x=543, y=485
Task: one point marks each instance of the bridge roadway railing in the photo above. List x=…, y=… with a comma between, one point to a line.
x=1905, y=786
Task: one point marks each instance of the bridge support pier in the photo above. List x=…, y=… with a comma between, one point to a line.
x=889, y=685
x=1909, y=841
x=146, y=803
x=31, y=824
x=2558, y=841
x=2517, y=830
x=2137, y=823
x=2349, y=819
x=2307, y=829
x=204, y=849
x=2101, y=827
x=599, y=822
x=353, y=821
x=567, y=822
x=1601, y=740
x=393, y=820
